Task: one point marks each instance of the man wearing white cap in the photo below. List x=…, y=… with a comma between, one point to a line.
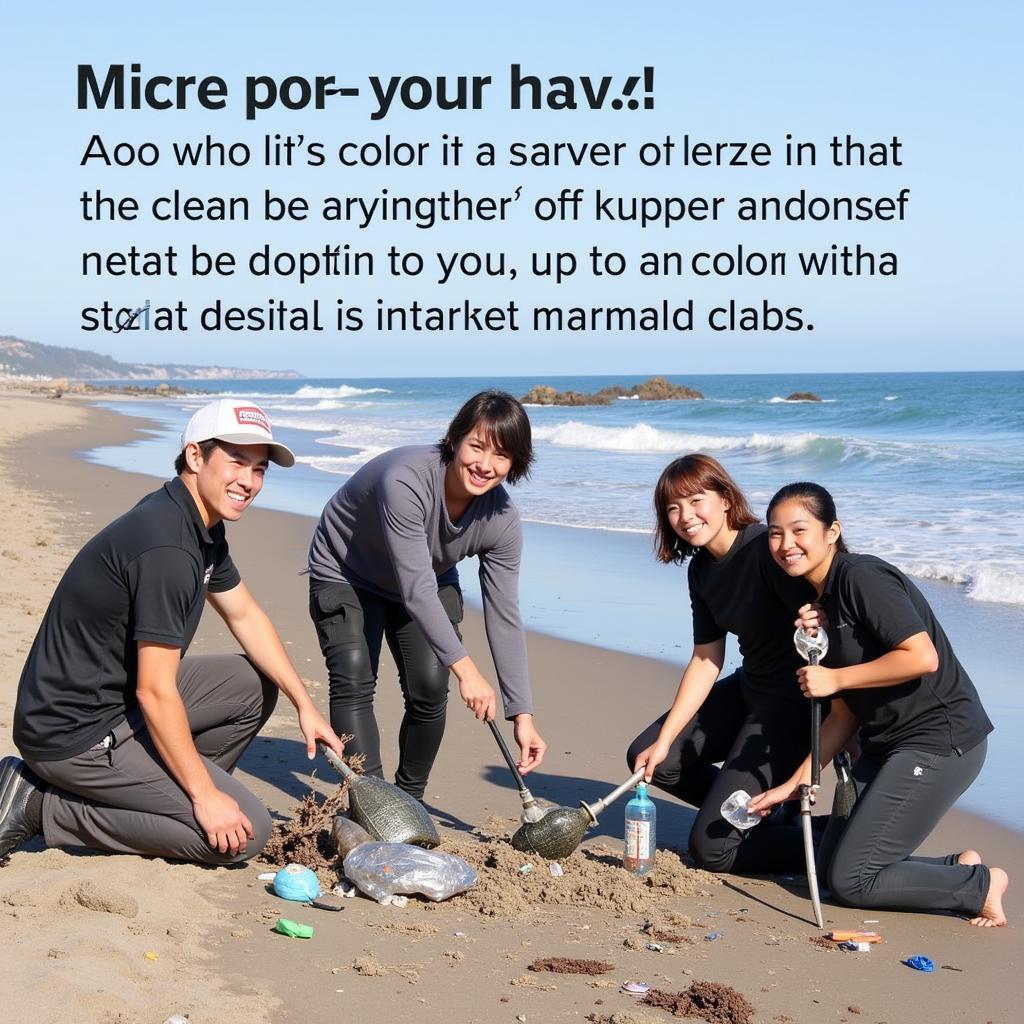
x=129, y=747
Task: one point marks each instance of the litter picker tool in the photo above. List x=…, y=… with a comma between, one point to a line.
x=532, y=811
x=388, y=813
x=812, y=649
x=561, y=829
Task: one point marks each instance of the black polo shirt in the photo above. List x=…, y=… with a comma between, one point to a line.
x=872, y=608
x=143, y=577
x=745, y=593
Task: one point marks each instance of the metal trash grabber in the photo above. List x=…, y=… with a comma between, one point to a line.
x=532, y=811
x=812, y=649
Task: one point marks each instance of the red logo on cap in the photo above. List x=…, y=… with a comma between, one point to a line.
x=252, y=416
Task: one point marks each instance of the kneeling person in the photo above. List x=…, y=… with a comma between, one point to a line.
x=128, y=746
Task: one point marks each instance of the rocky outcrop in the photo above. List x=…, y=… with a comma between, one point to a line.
x=657, y=389
x=803, y=396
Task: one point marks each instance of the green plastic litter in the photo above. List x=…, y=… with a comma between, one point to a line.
x=293, y=929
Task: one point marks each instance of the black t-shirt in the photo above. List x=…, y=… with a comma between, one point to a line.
x=872, y=608
x=143, y=577
x=745, y=593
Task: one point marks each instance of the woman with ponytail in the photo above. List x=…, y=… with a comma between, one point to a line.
x=898, y=686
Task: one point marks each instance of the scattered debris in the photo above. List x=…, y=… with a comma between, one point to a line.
x=920, y=963
x=713, y=936
x=707, y=1000
x=293, y=929
x=636, y=988
x=567, y=965
x=306, y=839
x=820, y=942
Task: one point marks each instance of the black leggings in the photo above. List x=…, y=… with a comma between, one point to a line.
x=350, y=624
x=760, y=742
x=900, y=798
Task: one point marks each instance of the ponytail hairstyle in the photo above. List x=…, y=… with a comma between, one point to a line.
x=815, y=499
x=688, y=475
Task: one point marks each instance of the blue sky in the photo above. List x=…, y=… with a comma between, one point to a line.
x=943, y=77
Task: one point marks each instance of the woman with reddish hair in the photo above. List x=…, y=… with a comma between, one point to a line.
x=754, y=721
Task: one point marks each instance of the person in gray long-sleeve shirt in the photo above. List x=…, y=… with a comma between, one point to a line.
x=383, y=562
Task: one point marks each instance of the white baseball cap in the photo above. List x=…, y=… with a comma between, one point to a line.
x=236, y=421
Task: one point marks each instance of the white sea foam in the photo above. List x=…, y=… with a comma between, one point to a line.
x=645, y=438
x=342, y=391
x=891, y=398
x=324, y=405
x=344, y=465
x=297, y=423
x=984, y=581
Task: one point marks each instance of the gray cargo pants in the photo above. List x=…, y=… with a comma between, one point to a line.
x=119, y=796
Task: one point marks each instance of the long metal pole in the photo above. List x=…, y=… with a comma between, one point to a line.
x=808, y=794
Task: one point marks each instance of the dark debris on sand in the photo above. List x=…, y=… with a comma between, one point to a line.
x=306, y=839
x=706, y=1000
x=567, y=965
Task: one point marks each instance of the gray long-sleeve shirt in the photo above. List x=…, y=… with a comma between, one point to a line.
x=387, y=531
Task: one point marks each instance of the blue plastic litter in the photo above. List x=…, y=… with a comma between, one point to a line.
x=920, y=963
x=711, y=936
x=296, y=882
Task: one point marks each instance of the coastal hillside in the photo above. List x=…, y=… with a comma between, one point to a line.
x=20, y=358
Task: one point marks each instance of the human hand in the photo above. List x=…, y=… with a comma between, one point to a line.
x=221, y=819
x=818, y=681
x=477, y=694
x=764, y=802
x=651, y=758
x=531, y=746
x=314, y=729
x=810, y=617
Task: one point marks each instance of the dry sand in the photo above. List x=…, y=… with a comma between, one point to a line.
x=127, y=939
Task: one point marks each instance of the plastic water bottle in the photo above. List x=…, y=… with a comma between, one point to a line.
x=641, y=841
x=734, y=810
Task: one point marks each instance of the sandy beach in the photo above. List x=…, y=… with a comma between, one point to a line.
x=121, y=940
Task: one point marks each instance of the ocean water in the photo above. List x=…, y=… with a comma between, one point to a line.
x=927, y=471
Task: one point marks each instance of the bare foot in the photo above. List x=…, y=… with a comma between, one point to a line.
x=992, y=914
x=969, y=857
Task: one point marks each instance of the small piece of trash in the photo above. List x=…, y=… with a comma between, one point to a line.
x=950, y=967
x=655, y=947
x=332, y=902
x=267, y=876
x=521, y=1017
x=855, y=947
x=459, y=935
x=636, y=988
x=293, y=929
x=870, y=920
x=395, y=901
x=714, y=913
x=151, y=956
x=712, y=936
x=920, y=963
x=555, y=869
x=525, y=869
x=346, y=889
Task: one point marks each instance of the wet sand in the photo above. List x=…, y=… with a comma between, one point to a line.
x=200, y=941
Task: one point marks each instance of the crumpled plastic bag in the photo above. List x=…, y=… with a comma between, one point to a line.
x=383, y=869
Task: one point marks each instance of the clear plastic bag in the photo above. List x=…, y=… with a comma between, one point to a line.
x=383, y=869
